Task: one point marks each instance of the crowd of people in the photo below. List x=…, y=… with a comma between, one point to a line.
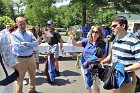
x=24, y=54
x=19, y=47
x=124, y=49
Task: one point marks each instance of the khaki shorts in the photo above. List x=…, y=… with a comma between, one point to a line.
x=96, y=81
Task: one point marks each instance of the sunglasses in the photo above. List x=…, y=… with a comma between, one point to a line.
x=114, y=26
x=96, y=32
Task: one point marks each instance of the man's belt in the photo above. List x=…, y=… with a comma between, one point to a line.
x=24, y=56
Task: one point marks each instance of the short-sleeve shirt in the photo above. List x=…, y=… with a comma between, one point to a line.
x=55, y=38
x=106, y=32
x=126, y=50
x=89, y=49
x=85, y=31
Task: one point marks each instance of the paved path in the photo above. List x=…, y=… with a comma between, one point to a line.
x=70, y=80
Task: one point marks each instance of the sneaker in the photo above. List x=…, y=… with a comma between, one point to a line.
x=25, y=82
x=39, y=71
x=57, y=73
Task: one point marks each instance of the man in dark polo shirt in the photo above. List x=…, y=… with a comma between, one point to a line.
x=53, y=38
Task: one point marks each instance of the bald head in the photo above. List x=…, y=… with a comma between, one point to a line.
x=21, y=23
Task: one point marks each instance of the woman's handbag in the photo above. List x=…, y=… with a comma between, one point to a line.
x=7, y=74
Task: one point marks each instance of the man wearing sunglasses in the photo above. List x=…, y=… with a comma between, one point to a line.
x=125, y=50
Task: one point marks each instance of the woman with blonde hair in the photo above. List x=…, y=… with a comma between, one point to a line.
x=91, y=45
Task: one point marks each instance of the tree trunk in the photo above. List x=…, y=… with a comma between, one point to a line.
x=83, y=14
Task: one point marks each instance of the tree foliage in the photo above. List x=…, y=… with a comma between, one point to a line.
x=2, y=8
x=5, y=20
x=78, y=11
x=9, y=10
x=68, y=15
x=19, y=7
x=38, y=11
x=133, y=6
x=86, y=5
x=103, y=17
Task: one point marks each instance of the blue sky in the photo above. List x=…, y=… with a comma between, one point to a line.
x=65, y=2
x=62, y=3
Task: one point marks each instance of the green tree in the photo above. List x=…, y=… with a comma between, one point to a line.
x=2, y=8
x=85, y=4
x=68, y=15
x=19, y=7
x=9, y=10
x=37, y=12
x=104, y=17
x=5, y=20
x=133, y=6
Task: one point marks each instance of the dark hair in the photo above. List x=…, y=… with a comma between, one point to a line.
x=122, y=20
x=11, y=29
x=33, y=31
x=100, y=31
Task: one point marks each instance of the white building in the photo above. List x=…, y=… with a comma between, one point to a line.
x=133, y=20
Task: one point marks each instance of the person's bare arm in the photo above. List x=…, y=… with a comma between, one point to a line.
x=39, y=40
x=133, y=67
x=76, y=43
x=102, y=58
x=61, y=45
x=106, y=60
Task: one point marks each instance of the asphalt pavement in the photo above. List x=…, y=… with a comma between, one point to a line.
x=70, y=81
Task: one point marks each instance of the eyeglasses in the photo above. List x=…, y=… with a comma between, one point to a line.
x=96, y=32
x=114, y=26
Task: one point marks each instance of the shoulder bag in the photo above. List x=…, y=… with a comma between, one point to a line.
x=7, y=74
